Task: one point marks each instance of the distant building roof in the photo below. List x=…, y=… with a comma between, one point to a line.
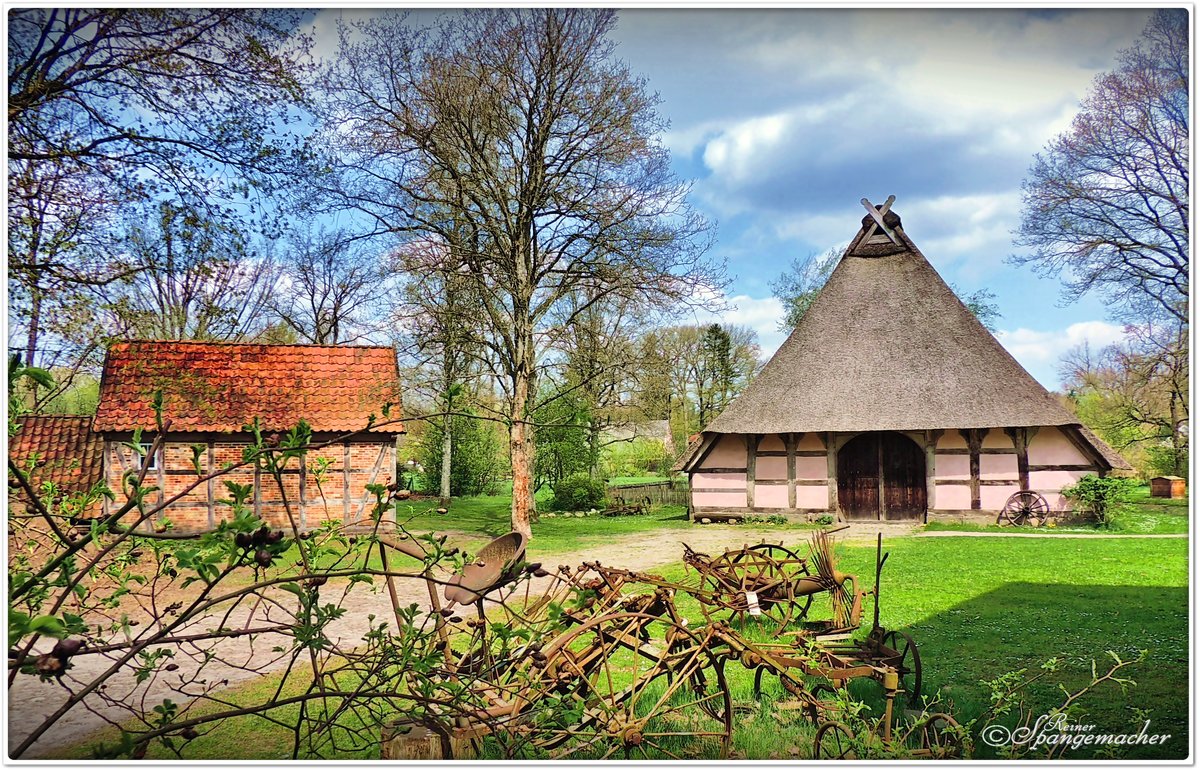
x=60, y=448
x=219, y=387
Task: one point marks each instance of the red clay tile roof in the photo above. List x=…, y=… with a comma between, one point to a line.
x=63, y=449
x=220, y=387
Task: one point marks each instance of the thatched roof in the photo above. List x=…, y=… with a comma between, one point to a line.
x=887, y=346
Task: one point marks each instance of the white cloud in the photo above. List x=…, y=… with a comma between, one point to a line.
x=1040, y=351
x=762, y=314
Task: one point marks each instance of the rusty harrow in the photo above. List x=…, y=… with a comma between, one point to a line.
x=599, y=663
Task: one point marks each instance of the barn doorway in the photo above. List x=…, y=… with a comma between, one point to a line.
x=881, y=475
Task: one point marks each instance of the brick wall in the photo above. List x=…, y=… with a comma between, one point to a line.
x=332, y=484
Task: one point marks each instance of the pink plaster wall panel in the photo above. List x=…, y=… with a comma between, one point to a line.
x=953, y=497
x=951, y=440
x=730, y=452
x=811, y=441
x=736, y=500
x=1050, y=448
x=997, y=439
x=992, y=497
x=770, y=467
x=710, y=479
x=998, y=467
x=812, y=468
x=1054, y=480
x=771, y=496
x=771, y=443
x=953, y=466
x=1057, y=502
x=812, y=497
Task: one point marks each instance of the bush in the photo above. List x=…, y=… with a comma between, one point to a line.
x=578, y=492
x=825, y=519
x=1105, y=498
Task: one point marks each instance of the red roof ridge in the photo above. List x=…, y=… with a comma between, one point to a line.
x=236, y=343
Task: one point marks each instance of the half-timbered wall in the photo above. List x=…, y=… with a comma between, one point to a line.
x=967, y=469
x=330, y=484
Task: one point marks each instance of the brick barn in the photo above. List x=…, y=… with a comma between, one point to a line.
x=889, y=401
x=212, y=390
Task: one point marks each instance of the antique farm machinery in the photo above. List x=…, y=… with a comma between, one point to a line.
x=598, y=662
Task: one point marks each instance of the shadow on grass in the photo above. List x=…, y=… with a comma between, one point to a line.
x=1021, y=625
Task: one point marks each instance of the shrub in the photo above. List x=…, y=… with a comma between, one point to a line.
x=1105, y=498
x=578, y=492
x=825, y=519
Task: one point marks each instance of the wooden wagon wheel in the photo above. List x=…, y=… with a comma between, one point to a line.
x=907, y=664
x=630, y=684
x=835, y=741
x=1023, y=508
x=937, y=736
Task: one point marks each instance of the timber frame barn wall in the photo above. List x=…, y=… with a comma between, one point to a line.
x=331, y=483
x=969, y=473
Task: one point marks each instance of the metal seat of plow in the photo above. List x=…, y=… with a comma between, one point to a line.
x=491, y=569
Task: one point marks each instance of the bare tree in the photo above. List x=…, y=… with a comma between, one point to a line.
x=517, y=138
x=110, y=109
x=196, y=280
x=1106, y=203
x=437, y=313
x=330, y=290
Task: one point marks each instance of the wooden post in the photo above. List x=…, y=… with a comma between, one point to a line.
x=1020, y=438
x=931, y=440
x=752, y=441
x=346, y=482
x=974, y=438
x=211, y=492
x=303, y=490
x=831, y=469
x=257, y=489
x=789, y=444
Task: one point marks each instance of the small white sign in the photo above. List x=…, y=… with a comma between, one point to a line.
x=752, y=602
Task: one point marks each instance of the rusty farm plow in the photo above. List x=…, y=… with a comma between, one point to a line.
x=598, y=662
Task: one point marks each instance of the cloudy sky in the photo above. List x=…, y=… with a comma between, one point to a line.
x=785, y=118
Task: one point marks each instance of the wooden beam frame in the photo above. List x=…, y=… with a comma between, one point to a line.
x=974, y=438
x=752, y=441
x=789, y=442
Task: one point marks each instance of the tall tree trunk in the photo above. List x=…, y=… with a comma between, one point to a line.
x=447, y=448
x=1176, y=439
x=594, y=448
x=521, y=453
x=35, y=318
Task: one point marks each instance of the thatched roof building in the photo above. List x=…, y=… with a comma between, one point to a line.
x=887, y=359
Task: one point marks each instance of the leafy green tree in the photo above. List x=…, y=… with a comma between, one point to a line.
x=476, y=460
x=562, y=427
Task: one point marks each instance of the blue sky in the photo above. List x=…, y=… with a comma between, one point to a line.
x=785, y=118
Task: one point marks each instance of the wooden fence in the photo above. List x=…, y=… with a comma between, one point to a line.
x=668, y=493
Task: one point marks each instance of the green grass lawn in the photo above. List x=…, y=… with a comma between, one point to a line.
x=978, y=608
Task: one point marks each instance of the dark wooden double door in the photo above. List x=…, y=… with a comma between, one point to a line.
x=881, y=475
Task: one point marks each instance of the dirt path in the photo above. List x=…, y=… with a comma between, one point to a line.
x=242, y=660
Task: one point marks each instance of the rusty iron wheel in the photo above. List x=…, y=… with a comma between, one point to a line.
x=650, y=689
x=938, y=735
x=1024, y=508
x=835, y=741
x=727, y=582
x=907, y=663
